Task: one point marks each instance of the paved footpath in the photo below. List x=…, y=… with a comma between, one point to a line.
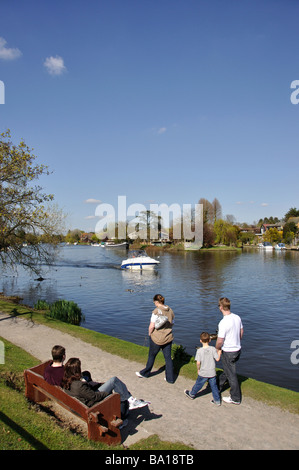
x=171, y=415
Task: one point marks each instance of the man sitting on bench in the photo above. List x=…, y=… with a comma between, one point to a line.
x=55, y=370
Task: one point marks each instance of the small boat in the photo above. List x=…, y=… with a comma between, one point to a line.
x=117, y=245
x=138, y=259
x=280, y=246
x=267, y=246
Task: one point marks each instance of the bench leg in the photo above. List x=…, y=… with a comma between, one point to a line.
x=98, y=432
x=32, y=393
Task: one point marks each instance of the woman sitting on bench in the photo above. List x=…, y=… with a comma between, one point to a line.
x=77, y=387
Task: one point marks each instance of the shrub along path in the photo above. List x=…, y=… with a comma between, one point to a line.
x=171, y=415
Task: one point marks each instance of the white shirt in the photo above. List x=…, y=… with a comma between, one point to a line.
x=229, y=328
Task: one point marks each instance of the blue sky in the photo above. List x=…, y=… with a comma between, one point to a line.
x=163, y=101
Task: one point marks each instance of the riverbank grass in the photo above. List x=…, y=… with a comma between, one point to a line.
x=184, y=363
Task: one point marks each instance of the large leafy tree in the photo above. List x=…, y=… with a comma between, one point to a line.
x=226, y=233
x=272, y=235
x=292, y=212
x=26, y=212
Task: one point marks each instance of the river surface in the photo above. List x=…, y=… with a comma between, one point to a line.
x=263, y=288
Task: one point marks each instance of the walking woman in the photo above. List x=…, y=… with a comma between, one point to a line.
x=160, y=338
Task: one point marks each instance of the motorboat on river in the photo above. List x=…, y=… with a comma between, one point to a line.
x=138, y=259
x=117, y=245
x=280, y=246
x=267, y=246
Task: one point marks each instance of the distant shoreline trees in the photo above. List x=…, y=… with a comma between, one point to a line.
x=216, y=229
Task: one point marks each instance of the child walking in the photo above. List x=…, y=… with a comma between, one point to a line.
x=205, y=358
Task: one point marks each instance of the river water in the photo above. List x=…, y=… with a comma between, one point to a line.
x=263, y=288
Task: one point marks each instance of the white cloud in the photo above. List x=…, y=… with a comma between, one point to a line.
x=8, y=53
x=162, y=130
x=92, y=201
x=264, y=204
x=55, y=65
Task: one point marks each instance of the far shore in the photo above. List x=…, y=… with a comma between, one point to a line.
x=179, y=247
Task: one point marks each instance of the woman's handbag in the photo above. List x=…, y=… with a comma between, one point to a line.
x=161, y=320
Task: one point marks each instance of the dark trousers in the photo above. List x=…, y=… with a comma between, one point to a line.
x=153, y=351
x=229, y=374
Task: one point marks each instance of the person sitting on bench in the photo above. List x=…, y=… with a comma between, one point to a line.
x=76, y=386
x=55, y=370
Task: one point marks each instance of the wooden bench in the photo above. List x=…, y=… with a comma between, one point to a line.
x=103, y=419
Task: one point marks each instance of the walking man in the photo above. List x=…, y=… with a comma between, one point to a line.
x=230, y=332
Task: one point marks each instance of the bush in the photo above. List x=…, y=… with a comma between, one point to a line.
x=42, y=305
x=66, y=311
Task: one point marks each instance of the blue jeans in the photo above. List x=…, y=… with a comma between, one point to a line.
x=153, y=351
x=116, y=385
x=229, y=373
x=200, y=381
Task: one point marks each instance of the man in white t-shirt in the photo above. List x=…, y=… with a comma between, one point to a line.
x=230, y=332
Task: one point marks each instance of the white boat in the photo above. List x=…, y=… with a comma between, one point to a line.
x=117, y=245
x=280, y=246
x=267, y=246
x=138, y=259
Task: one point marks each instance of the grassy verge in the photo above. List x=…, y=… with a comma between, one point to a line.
x=184, y=364
x=222, y=248
x=26, y=426
x=180, y=247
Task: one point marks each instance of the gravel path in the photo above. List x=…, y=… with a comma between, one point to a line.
x=171, y=415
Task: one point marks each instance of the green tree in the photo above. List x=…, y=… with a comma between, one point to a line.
x=73, y=236
x=288, y=237
x=149, y=220
x=246, y=237
x=268, y=220
x=226, y=234
x=94, y=238
x=25, y=211
x=272, y=235
x=289, y=232
x=293, y=212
